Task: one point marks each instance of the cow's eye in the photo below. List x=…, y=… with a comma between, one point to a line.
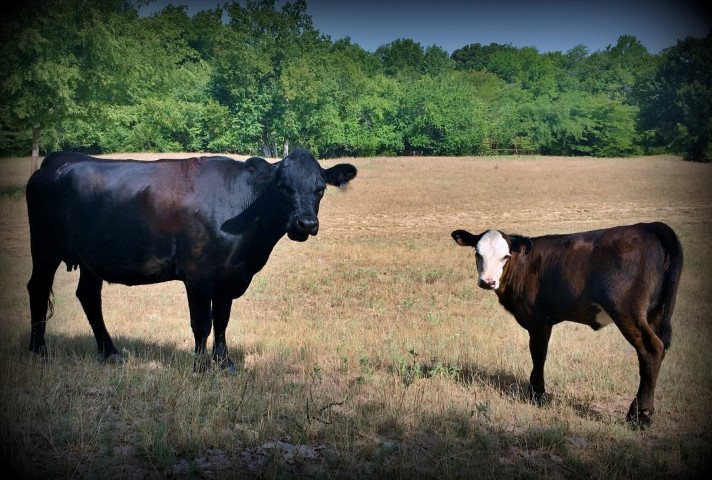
x=320, y=193
x=504, y=259
x=477, y=254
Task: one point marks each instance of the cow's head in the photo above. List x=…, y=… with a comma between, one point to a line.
x=493, y=249
x=302, y=182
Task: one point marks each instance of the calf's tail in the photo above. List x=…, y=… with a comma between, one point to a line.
x=671, y=281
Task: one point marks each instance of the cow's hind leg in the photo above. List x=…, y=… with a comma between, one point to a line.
x=650, y=351
x=221, y=317
x=89, y=295
x=538, y=347
x=40, y=288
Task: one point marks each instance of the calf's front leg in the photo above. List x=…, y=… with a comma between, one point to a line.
x=538, y=346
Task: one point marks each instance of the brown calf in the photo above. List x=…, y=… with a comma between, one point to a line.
x=627, y=275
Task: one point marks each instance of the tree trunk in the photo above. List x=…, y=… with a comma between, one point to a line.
x=35, y=162
x=286, y=147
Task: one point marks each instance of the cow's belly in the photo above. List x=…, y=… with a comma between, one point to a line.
x=128, y=266
x=133, y=273
x=592, y=315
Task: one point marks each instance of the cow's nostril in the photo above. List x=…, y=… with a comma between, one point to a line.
x=308, y=225
x=487, y=284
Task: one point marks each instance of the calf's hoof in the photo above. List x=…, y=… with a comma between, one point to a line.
x=639, y=417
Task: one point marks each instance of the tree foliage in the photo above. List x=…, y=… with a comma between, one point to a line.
x=677, y=101
x=252, y=77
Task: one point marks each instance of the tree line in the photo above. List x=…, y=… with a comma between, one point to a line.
x=251, y=78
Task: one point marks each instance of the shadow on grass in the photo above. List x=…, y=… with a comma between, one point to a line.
x=83, y=348
x=508, y=384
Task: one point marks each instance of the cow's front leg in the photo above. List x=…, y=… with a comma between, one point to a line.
x=538, y=346
x=199, y=296
x=221, y=317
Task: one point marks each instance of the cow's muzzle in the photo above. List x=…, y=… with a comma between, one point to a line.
x=303, y=227
x=487, y=284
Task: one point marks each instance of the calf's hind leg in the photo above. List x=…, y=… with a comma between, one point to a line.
x=650, y=351
x=40, y=288
x=89, y=295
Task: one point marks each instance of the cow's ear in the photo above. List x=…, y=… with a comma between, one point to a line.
x=340, y=174
x=520, y=244
x=465, y=238
x=258, y=165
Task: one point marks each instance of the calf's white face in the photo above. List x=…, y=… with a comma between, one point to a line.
x=492, y=253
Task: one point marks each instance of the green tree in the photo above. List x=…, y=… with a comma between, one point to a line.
x=677, y=105
x=402, y=58
x=248, y=60
x=477, y=57
x=578, y=123
x=614, y=71
x=145, y=86
x=436, y=61
x=443, y=116
x=40, y=70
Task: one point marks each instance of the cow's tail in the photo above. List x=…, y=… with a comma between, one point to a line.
x=671, y=280
x=50, y=305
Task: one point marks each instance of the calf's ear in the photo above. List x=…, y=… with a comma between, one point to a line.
x=520, y=244
x=340, y=174
x=465, y=238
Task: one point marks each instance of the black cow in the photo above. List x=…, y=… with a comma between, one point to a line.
x=210, y=222
x=628, y=275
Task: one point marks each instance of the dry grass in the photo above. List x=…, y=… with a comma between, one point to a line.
x=368, y=351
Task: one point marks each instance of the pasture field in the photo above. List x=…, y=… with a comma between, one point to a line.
x=368, y=351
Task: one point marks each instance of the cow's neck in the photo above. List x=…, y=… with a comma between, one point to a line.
x=260, y=226
x=513, y=289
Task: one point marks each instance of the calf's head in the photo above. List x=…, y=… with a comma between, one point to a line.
x=493, y=249
x=302, y=182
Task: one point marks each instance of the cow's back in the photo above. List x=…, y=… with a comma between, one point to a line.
x=598, y=267
x=137, y=222
x=84, y=210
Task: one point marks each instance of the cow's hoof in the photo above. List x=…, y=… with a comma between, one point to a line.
x=202, y=364
x=227, y=365
x=40, y=351
x=537, y=398
x=41, y=355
